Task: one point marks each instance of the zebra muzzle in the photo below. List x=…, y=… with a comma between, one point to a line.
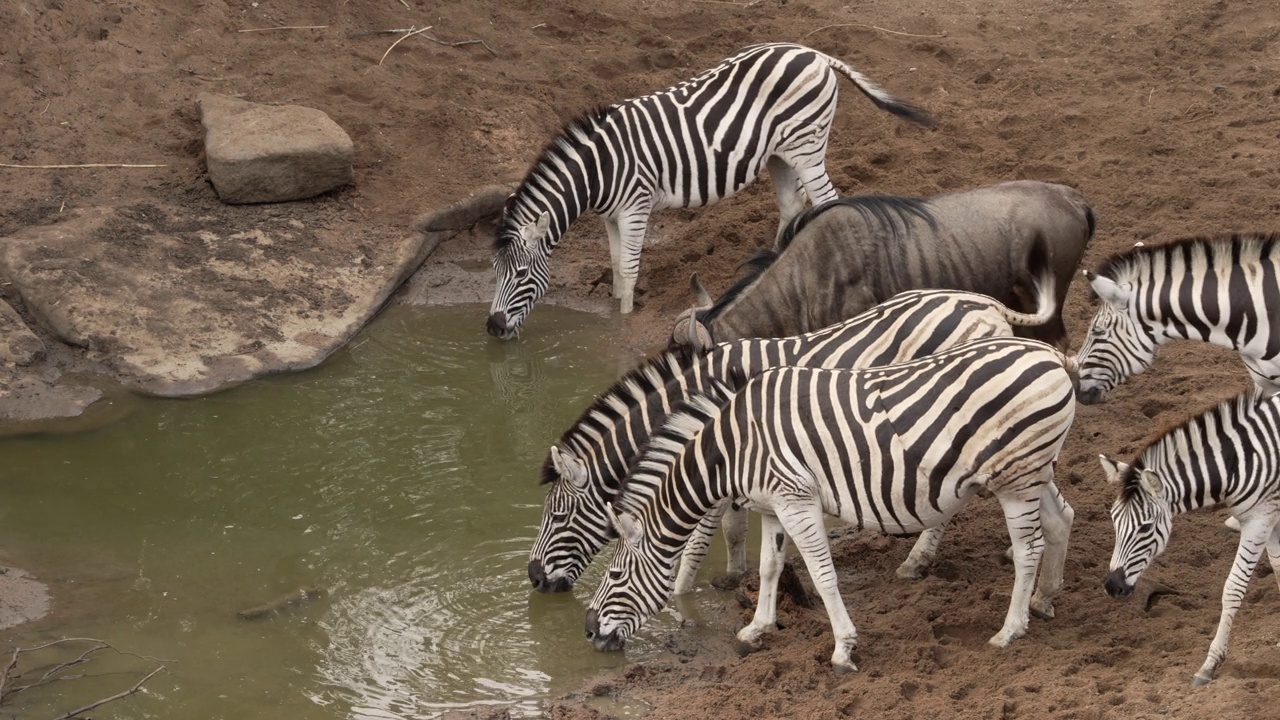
x=499, y=326
x=609, y=642
x=1116, y=585
x=543, y=584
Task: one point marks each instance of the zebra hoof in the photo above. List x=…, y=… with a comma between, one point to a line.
x=911, y=572
x=843, y=669
x=1041, y=609
x=727, y=582
x=1200, y=680
x=745, y=648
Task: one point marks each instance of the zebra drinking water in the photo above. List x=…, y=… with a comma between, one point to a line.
x=1226, y=456
x=586, y=466
x=693, y=144
x=899, y=448
x=1223, y=290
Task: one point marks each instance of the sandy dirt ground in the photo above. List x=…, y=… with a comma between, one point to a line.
x=1165, y=113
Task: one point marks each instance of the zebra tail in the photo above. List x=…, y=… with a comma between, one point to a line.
x=1044, y=286
x=881, y=97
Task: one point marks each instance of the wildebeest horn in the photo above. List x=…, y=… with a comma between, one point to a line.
x=702, y=298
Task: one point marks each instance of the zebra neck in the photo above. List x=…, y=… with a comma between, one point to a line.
x=565, y=182
x=695, y=485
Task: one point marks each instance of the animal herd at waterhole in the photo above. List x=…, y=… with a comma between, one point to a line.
x=887, y=360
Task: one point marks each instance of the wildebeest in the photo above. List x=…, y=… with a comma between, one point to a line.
x=846, y=255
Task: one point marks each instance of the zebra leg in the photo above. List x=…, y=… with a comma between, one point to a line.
x=695, y=551
x=734, y=528
x=631, y=228
x=786, y=185
x=1022, y=516
x=1056, y=517
x=773, y=553
x=802, y=521
x=1254, y=534
x=922, y=554
x=615, y=254
x=1273, y=552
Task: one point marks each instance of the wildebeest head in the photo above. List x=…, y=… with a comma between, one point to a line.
x=689, y=330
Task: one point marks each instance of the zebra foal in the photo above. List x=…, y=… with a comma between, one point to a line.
x=899, y=448
x=769, y=106
x=586, y=466
x=1229, y=456
x=1222, y=290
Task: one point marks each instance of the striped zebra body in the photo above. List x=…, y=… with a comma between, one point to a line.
x=1223, y=290
x=1229, y=456
x=899, y=448
x=586, y=467
x=690, y=145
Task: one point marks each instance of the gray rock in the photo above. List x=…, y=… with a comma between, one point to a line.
x=178, y=305
x=271, y=153
x=18, y=345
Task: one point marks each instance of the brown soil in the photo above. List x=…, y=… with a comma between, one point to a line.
x=1165, y=113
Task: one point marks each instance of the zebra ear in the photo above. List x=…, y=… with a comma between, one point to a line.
x=1150, y=482
x=627, y=525
x=533, y=233
x=1110, y=292
x=1112, y=469
x=568, y=467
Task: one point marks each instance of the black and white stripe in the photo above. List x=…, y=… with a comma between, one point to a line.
x=690, y=145
x=1228, y=456
x=899, y=448
x=1223, y=290
x=587, y=465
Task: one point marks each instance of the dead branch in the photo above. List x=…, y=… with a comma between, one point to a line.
x=49, y=675
x=86, y=165
x=365, y=33
x=876, y=27
x=137, y=686
x=285, y=27
x=402, y=38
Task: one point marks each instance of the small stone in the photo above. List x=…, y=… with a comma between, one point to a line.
x=271, y=153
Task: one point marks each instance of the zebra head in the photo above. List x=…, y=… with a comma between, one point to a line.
x=523, y=273
x=1117, y=346
x=1142, y=518
x=574, y=525
x=634, y=589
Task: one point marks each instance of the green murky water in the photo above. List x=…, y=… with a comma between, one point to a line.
x=400, y=477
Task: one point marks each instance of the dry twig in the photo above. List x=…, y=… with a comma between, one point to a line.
x=410, y=33
x=49, y=675
x=876, y=27
x=87, y=165
x=137, y=686
x=285, y=27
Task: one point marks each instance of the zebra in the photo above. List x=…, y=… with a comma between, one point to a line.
x=702, y=140
x=1225, y=456
x=587, y=464
x=1223, y=290
x=899, y=448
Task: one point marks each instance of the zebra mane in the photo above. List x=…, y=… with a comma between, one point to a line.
x=1134, y=263
x=890, y=212
x=572, y=135
x=1178, y=437
x=666, y=444
x=630, y=390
